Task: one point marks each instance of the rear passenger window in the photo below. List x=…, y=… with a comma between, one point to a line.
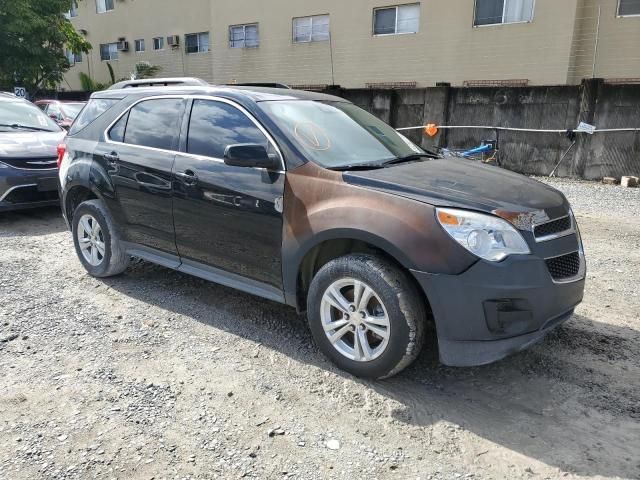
x=155, y=123
x=214, y=125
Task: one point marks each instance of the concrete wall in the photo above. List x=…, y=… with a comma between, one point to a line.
x=555, y=107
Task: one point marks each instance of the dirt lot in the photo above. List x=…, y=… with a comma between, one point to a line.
x=155, y=374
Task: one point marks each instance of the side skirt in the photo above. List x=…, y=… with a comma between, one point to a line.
x=205, y=272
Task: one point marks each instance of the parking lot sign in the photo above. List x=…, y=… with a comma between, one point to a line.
x=20, y=92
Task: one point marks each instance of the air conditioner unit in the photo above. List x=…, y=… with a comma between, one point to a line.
x=123, y=46
x=173, y=40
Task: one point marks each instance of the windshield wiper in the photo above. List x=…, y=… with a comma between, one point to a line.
x=409, y=158
x=357, y=166
x=25, y=127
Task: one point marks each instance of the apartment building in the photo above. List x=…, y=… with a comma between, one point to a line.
x=362, y=43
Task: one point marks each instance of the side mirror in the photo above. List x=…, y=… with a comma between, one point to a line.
x=250, y=155
x=53, y=116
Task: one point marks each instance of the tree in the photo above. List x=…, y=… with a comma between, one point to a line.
x=34, y=35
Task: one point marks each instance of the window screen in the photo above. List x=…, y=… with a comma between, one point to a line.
x=155, y=123
x=311, y=29
x=385, y=21
x=215, y=125
x=491, y=12
x=399, y=19
x=243, y=36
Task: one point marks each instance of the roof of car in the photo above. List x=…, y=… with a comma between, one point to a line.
x=256, y=94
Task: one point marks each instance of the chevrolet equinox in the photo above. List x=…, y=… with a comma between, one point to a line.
x=305, y=199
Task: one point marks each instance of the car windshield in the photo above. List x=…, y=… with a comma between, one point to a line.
x=338, y=134
x=17, y=115
x=71, y=110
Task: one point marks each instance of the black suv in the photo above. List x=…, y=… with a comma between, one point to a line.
x=308, y=200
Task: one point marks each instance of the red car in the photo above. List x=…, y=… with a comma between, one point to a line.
x=64, y=113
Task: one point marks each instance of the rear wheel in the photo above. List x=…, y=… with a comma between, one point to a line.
x=96, y=241
x=366, y=315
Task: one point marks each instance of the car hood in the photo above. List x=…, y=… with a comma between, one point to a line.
x=453, y=182
x=18, y=144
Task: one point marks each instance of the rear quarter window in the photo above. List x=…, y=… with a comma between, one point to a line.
x=92, y=110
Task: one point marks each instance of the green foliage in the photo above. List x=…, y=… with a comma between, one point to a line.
x=90, y=85
x=112, y=75
x=33, y=37
x=146, y=70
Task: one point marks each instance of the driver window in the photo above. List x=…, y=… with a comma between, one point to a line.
x=215, y=125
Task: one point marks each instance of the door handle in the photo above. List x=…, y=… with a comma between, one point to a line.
x=188, y=176
x=111, y=157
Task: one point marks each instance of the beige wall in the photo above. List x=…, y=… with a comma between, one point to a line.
x=555, y=48
x=447, y=47
x=605, y=45
x=146, y=19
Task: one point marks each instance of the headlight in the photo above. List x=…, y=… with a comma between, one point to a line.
x=486, y=236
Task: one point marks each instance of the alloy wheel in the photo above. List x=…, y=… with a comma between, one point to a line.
x=91, y=240
x=355, y=320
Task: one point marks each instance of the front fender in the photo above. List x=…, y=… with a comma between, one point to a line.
x=320, y=206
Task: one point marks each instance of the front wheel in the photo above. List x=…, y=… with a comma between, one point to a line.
x=366, y=315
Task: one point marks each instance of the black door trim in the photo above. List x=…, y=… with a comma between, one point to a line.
x=205, y=272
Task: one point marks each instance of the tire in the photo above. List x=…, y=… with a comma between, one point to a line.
x=111, y=259
x=395, y=298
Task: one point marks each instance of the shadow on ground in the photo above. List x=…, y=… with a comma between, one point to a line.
x=548, y=403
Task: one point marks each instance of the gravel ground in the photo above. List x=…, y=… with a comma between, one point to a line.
x=154, y=374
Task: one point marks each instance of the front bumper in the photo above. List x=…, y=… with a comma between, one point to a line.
x=495, y=309
x=21, y=189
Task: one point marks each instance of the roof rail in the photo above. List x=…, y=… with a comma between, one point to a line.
x=259, y=84
x=160, y=82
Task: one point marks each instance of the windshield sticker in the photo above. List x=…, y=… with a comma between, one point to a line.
x=312, y=136
x=42, y=120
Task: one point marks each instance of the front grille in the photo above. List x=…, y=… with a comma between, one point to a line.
x=565, y=266
x=38, y=163
x=30, y=194
x=550, y=228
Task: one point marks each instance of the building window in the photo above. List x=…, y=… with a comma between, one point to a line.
x=140, y=45
x=494, y=12
x=197, y=42
x=73, y=12
x=104, y=6
x=73, y=57
x=158, y=43
x=396, y=20
x=311, y=29
x=628, y=8
x=244, y=36
x=108, y=51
